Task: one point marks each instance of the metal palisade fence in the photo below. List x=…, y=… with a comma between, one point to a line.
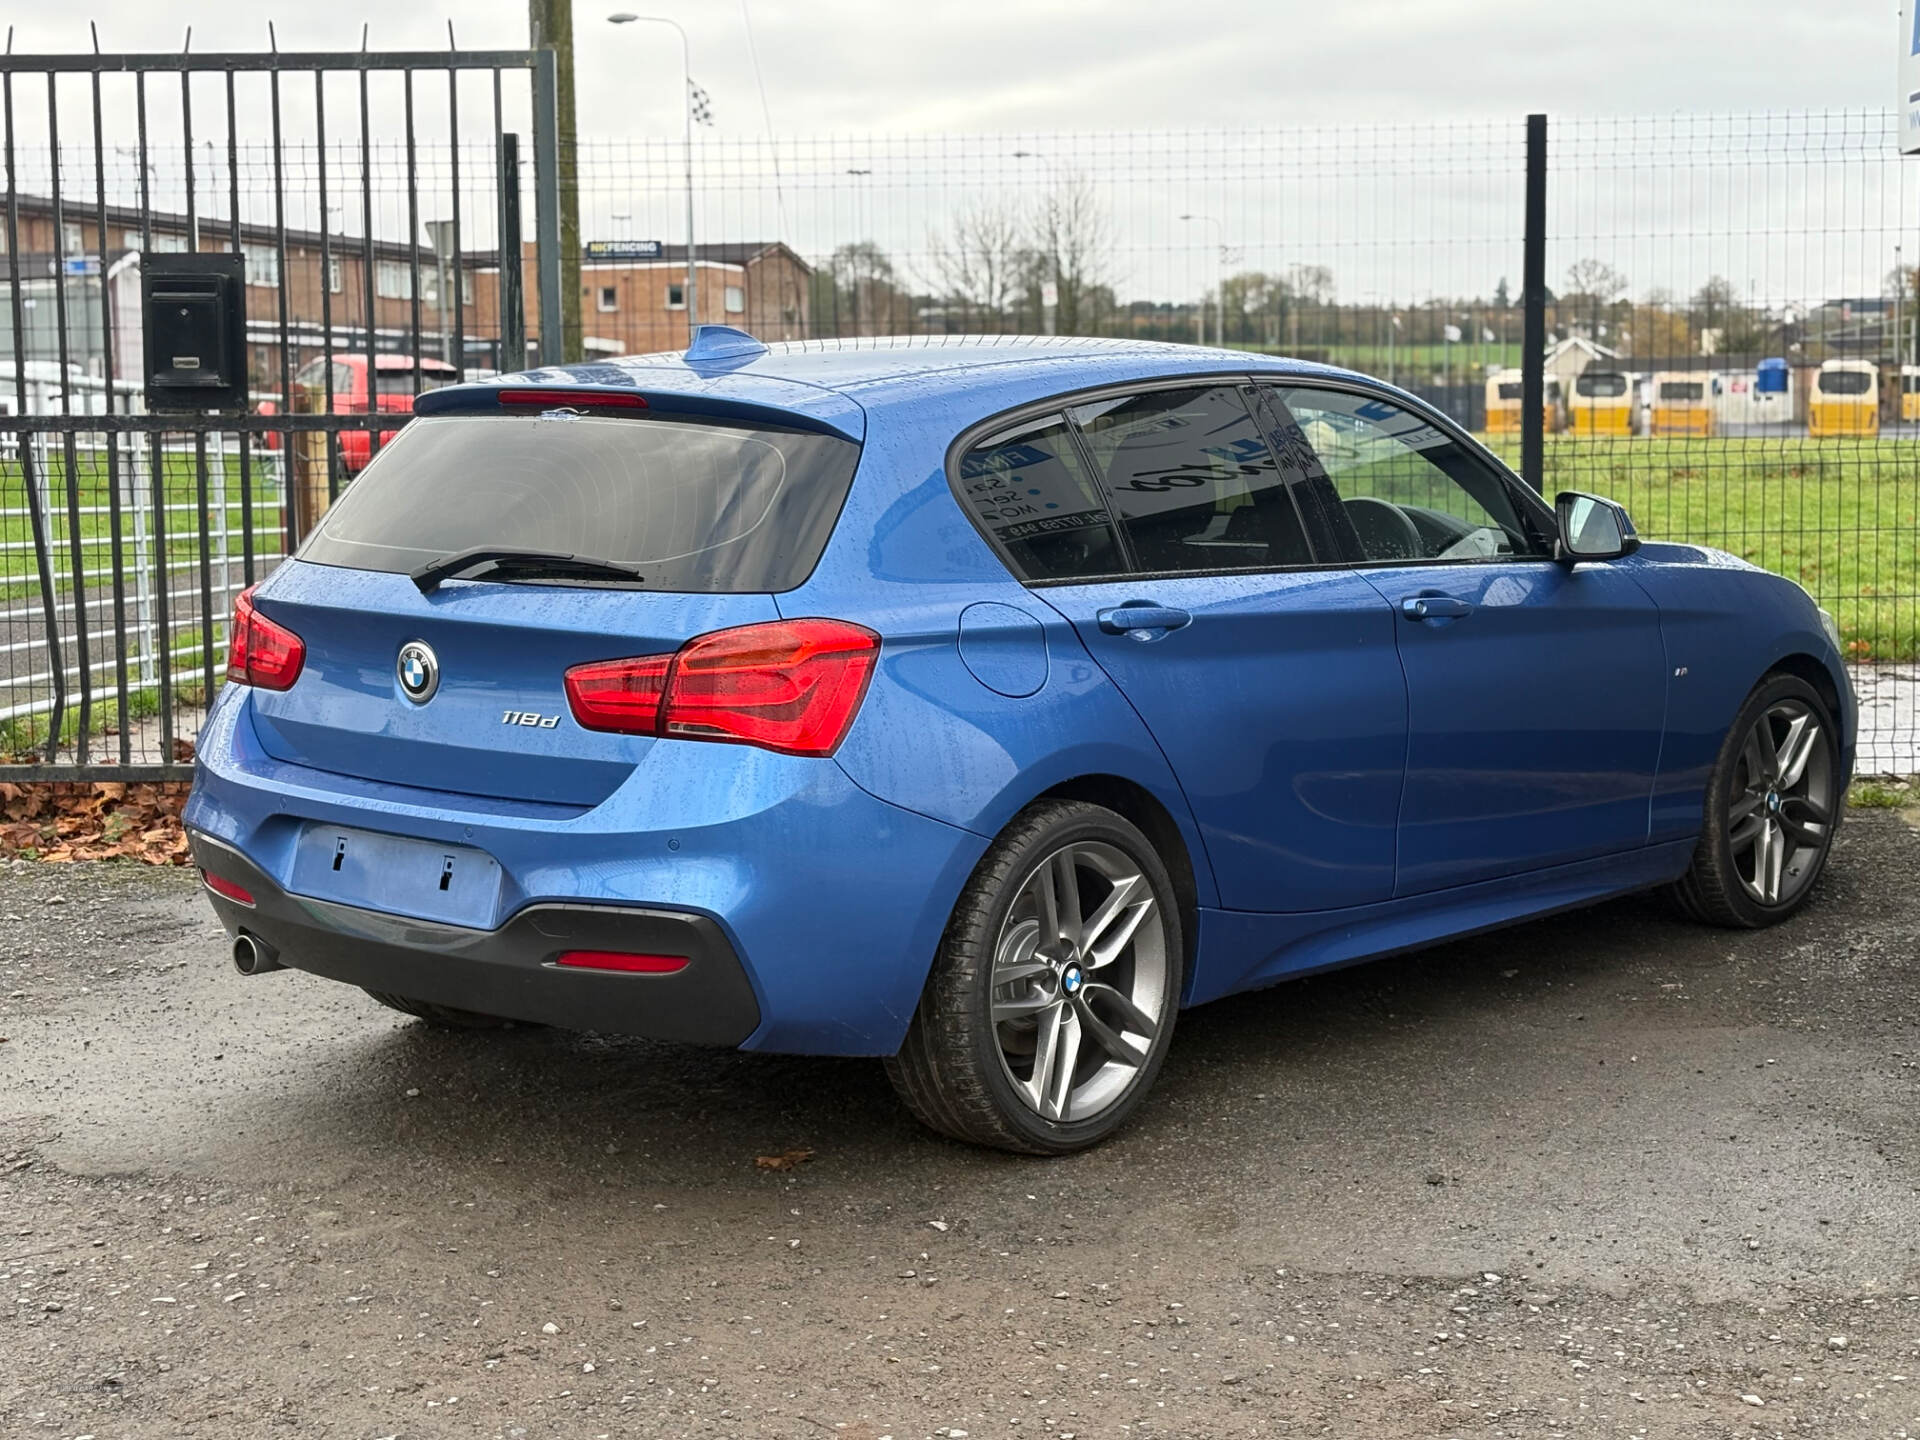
x=374, y=201
x=1728, y=313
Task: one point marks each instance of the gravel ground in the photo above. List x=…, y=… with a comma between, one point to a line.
x=1605, y=1174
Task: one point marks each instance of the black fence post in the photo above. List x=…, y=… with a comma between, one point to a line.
x=1533, y=298
x=513, y=315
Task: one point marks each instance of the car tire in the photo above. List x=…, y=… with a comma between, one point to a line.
x=446, y=1017
x=1015, y=1031
x=1773, y=803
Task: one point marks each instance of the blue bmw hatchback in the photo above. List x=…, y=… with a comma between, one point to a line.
x=978, y=704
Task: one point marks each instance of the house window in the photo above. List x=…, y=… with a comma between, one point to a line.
x=169, y=242
x=676, y=297
x=73, y=238
x=393, y=279
x=263, y=264
x=336, y=275
x=609, y=297
x=736, y=299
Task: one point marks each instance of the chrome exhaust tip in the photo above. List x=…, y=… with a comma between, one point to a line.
x=253, y=956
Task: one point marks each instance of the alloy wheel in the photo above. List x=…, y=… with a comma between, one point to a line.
x=1080, y=981
x=1780, y=814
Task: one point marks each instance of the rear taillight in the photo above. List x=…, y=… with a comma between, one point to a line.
x=790, y=685
x=262, y=653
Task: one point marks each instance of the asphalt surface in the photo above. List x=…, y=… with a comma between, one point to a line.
x=1607, y=1174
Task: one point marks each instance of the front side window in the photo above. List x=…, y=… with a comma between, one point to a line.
x=1028, y=488
x=1193, y=483
x=1405, y=490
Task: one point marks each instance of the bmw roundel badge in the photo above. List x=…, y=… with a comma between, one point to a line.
x=418, y=670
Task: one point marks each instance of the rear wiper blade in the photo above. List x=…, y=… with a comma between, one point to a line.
x=498, y=557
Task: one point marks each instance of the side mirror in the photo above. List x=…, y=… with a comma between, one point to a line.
x=1592, y=528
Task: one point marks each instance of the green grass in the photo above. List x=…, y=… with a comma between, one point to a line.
x=89, y=490
x=1841, y=517
x=1882, y=794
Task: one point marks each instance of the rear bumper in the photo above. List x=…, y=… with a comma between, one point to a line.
x=509, y=972
x=830, y=903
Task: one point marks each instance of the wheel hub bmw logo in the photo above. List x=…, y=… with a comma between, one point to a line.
x=1773, y=802
x=1071, y=979
x=418, y=670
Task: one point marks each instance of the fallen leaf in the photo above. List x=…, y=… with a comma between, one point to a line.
x=786, y=1160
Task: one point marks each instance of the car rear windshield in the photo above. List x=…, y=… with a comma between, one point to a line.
x=1845, y=382
x=694, y=506
x=1603, y=386
x=1683, y=390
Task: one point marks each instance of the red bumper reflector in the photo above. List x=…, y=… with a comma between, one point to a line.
x=227, y=888
x=620, y=960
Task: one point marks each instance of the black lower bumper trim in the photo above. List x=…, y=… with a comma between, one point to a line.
x=507, y=972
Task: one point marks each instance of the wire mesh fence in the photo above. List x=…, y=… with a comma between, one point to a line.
x=1731, y=309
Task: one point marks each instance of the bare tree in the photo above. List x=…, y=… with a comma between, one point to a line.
x=1594, y=282
x=979, y=265
x=1073, y=241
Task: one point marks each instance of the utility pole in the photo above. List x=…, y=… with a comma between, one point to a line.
x=551, y=24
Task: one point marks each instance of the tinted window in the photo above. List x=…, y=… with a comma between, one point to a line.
x=1683, y=390
x=1029, y=490
x=1510, y=390
x=1406, y=490
x=1845, y=382
x=1193, y=481
x=1604, y=386
x=696, y=507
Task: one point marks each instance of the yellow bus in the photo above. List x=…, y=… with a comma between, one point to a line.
x=1682, y=403
x=1503, y=403
x=1845, y=400
x=1910, y=392
x=1602, y=403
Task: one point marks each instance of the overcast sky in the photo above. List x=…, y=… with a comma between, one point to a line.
x=1027, y=65
x=1294, y=128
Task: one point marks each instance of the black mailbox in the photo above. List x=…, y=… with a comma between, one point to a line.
x=194, y=309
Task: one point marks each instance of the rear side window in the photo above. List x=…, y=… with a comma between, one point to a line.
x=696, y=507
x=1029, y=490
x=1194, y=482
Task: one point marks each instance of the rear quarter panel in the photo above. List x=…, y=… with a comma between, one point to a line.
x=1726, y=624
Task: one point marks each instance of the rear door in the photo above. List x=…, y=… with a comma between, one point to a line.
x=1536, y=692
x=715, y=517
x=1160, y=525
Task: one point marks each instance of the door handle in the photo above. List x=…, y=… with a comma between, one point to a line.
x=1140, y=617
x=1434, y=607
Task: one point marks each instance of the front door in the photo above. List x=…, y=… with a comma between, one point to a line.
x=1536, y=693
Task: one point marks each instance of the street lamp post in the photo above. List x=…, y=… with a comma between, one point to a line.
x=1219, y=277
x=624, y=17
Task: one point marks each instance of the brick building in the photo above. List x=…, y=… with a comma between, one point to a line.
x=626, y=306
